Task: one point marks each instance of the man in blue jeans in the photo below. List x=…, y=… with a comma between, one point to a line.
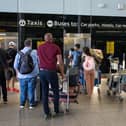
x=49, y=54
x=27, y=81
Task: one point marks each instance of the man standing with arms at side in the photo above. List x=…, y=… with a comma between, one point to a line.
x=49, y=54
x=27, y=76
x=3, y=67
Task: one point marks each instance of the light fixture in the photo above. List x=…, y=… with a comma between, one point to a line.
x=101, y=5
x=120, y=6
x=2, y=34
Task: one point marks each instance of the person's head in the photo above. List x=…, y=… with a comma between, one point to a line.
x=12, y=44
x=28, y=43
x=48, y=37
x=87, y=51
x=71, y=49
x=77, y=46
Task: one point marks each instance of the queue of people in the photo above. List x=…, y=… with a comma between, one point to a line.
x=28, y=64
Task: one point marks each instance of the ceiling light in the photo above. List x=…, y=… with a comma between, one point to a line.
x=2, y=34
x=120, y=6
x=101, y=5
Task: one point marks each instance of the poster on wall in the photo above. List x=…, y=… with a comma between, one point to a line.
x=110, y=47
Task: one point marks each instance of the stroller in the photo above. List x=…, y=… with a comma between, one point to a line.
x=68, y=90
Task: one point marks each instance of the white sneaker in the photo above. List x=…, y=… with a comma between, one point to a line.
x=31, y=107
x=21, y=107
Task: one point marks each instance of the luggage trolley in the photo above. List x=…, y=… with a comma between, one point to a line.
x=67, y=94
x=114, y=78
x=117, y=84
x=114, y=65
x=63, y=93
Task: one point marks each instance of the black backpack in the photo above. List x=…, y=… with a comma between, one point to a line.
x=26, y=64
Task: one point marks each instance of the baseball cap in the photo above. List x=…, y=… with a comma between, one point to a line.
x=11, y=43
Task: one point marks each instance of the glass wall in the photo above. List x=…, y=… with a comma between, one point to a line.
x=6, y=37
x=8, y=29
x=105, y=32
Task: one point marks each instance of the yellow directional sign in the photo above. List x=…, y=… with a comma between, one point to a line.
x=40, y=43
x=110, y=47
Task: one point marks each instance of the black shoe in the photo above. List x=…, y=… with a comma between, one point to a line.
x=5, y=101
x=47, y=116
x=56, y=114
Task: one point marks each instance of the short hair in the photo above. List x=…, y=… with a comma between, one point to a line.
x=87, y=51
x=48, y=37
x=27, y=42
x=71, y=49
x=77, y=45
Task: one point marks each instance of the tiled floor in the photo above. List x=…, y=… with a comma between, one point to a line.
x=100, y=110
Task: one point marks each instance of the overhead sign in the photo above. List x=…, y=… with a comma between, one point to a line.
x=57, y=23
x=23, y=22
x=50, y=23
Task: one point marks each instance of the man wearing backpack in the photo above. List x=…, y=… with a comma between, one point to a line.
x=26, y=66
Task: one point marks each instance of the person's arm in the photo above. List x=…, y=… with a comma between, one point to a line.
x=70, y=55
x=61, y=65
x=36, y=61
x=16, y=62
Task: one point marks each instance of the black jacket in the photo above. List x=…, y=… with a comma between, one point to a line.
x=3, y=59
x=11, y=53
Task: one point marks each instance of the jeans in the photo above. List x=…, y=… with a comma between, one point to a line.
x=49, y=77
x=3, y=84
x=27, y=89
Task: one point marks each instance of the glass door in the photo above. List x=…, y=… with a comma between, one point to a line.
x=6, y=37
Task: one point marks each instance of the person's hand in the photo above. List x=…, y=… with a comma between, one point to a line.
x=63, y=76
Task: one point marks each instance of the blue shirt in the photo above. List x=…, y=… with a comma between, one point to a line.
x=76, y=58
x=35, y=72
